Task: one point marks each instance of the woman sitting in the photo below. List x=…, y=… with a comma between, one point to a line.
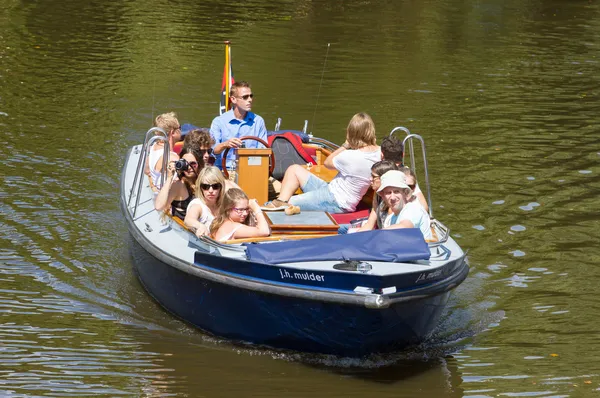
x=233, y=218
x=209, y=190
x=353, y=161
x=178, y=193
x=411, y=181
x=406, y=211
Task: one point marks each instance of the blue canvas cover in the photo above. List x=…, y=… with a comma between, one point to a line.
x=393, y=245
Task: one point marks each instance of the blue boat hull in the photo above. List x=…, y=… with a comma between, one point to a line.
x=301, y=324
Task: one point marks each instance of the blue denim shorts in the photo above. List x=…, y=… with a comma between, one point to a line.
x=316, y=196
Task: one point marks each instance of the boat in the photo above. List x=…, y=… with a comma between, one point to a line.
x=304, y=288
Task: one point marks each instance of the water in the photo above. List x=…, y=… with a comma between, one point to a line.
x=504, y=93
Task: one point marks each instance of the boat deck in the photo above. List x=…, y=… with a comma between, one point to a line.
x=174, y=240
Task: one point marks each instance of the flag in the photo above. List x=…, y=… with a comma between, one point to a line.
x=228, y=80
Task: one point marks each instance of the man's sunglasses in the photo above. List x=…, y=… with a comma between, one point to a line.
x=245, y=97
x=208, y=151
x=206, y=187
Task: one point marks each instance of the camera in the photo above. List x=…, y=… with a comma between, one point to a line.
x=182, y=165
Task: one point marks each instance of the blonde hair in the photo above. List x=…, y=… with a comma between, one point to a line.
x=361, y=131
x=229, y=198
x=167, y=121
x=235, y=87
x=210, y=175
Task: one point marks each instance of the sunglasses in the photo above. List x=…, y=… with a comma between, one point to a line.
x=241, y=210
x=206, y=187
x=208, y=151
x=193, y=164
x=412, y=186
x=245, y=97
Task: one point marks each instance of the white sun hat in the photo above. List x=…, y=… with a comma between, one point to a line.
x=393, y=178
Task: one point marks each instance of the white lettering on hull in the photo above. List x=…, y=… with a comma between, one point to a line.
x=304, y=276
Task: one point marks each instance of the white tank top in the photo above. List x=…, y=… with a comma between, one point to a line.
x=155, y=154
x=230, y=235
x=206, y=217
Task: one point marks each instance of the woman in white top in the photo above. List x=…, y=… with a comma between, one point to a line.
x=232, y=220
x=406, y=211
x=353, y=161
x=210, y=188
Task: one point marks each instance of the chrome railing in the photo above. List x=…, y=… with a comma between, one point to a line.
x=149, y=140
x=325, y=143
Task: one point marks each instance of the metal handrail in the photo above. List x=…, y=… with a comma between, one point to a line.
x=141, y=161
x=409, y=139
x=410, y=145
x=323, y=142
x=149, y=140
x=442, y=232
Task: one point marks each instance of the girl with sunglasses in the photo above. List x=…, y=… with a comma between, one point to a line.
x=234, y=215
x=178, y=193
x=210, y=188
x=201, y=138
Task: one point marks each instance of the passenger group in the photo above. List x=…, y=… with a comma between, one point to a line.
x=195, y=189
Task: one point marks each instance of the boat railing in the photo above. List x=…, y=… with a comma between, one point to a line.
x=410, y=146
x=219, y=245
x=408, y=140
x=149, y=140
x=440, y=231
x=325, y=143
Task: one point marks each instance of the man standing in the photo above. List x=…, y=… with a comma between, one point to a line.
x=238, y=122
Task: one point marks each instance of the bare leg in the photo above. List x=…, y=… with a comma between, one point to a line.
x=295, y=176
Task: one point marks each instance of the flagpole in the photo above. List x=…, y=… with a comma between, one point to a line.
x=227, y=73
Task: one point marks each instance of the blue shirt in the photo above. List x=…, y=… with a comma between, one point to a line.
x=227, y=126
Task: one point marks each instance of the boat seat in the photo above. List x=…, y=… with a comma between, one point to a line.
x=288, y=150
x=345, y=218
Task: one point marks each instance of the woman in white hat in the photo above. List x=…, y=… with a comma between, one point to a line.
x=406, y=211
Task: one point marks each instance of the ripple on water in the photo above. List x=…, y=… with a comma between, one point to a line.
x=496, y=267
x=517, y=253
x=479, y=227
x=529, y=206
x=537, y=269
x=518, y=228
x=498, y=202
x=520, y=280
x=585, y=171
